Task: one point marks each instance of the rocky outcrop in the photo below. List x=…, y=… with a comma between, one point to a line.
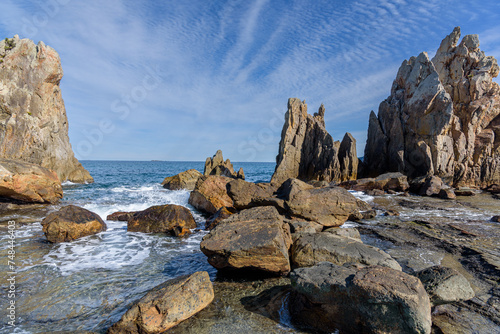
x=185, y=180
x=167, y=305
x=369, y=300
x=247, y=194
x=255, y=239
x=217, y=166
x=70, y=223
x=385, y=182
x=310, y=249
x=442, y=117
x=173, y=219
x=210, y=194
x=27, y=182
x=308, y=152
x=33, y=122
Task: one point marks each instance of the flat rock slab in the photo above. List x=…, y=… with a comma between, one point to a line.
x=254, y=239
x=166, y=305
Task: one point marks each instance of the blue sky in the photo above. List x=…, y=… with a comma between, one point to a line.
x=177, y=80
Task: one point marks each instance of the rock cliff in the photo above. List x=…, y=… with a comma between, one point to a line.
x=308, y=152
x=33, y=122
x=442, y=117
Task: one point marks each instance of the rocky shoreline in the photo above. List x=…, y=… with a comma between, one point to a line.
x=282, y=250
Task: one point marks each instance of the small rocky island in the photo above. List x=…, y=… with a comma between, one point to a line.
x=283, y=245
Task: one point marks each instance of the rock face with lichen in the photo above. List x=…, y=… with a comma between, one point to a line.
x=308, y=152
x=442, y=117
x=33, y=122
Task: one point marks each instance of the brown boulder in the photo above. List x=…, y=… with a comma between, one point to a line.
x=254, y=239
x=210, y=194
x=386, y=182
x=28, y=182
x=185, y=180
x=70, y=223
x=166, y=305
x=247, y=194
x=170, y=218
x=219, y=216
x=121, y=216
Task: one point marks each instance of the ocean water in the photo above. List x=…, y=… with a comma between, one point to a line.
x=89, y=283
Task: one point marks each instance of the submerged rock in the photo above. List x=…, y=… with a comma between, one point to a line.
x=210, y=194
x=167, y=305
x=369, y=300
x=308, y=152
x=442, y=117
x=33, y=122
x=27, y=182
x=70, y=223
x=254, y=239
x=185, y=180
x=217, y=166
x=174, y=219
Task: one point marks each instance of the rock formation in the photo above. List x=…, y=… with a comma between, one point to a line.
x=308, y=152
x=217, y=166
x=170, y=218
x=185, y=180
x=442, y=117
x=33, y=122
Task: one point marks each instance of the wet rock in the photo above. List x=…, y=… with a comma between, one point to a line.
x=210, y=194
x=219, y=216
x=173, y=219
x=390, y=213
x=217, y=166
x=121, y=216
x=167, y=305
x=185, y=180
x=70, y=223
x=310, y=249
x=375, y=192
x=447, y=193
x=32, y=113
x=445, y=285
x=464, y=192
x=350, y=232
x=28, y=182
x=331, y=297
x=385, y=182
x=495, y=219
x=254, y=239
x=308, y=152
x=426, y=185
x=247, y=194
x=494, y=189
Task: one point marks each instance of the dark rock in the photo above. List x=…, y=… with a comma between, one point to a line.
x=121, y=216
x=495, y=219
x=447, y=193
x=390, y=213
x=247, y=194
x=217, y=166
x=386, y=182
x=166, y=305
x=210, y=194
x=185, y=180
x=464, y=192
x=375, y=192
x=174, y=219
x=219, y=216
x=70, y=223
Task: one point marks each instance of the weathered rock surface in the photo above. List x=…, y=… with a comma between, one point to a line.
x=445, y=285
x=426, y=185
x=174, y=219
x=121, y=216
x=219, y=216
x=308, y=152
x=217, y=166
x=442, y=118
x=369, y=300
x=33, y=122
x=185, y=180
x=254, y=239
x=166, y=305
x=70, y=223
x=247, y=194
x=311, y=249
x=385, y=182
x=350, y=232
x=28, y=182
x=210, y=194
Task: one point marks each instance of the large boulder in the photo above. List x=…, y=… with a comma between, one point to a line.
x=185, y=180
x=368, y=300
x=33, y=122
x=174, y=219
x=386, y=182
x=28, y=182
x=442, y=117
x=210, y=194
x=217, y=166
x=309, y=249
x=247, y=194
x=254, y=239
x=445, y=285
x=308, y=152
x=121, y=216
x=166, y=305
x=330, y=206
x=70, y=223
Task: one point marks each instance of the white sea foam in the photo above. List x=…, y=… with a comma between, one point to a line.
x=362, y=196
x=68, y=183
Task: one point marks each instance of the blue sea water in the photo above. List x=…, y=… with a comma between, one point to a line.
x=89, y=283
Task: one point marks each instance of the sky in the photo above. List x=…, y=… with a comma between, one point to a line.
x=178, y=80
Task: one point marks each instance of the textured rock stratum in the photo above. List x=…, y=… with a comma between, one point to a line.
x=217, y=166
x=308, y=152
x=442, y=117
x=33, y=122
